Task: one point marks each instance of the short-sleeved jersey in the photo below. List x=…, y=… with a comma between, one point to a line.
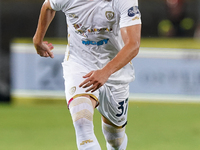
x=94, y=31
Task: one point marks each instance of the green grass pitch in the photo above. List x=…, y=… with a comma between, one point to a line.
x=151, y=126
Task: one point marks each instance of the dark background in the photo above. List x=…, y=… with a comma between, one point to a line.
x=18, y=18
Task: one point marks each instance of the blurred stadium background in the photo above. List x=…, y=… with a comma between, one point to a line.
x=164, y=108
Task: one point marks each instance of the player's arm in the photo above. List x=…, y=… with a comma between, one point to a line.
x=46, y=16
x=131, y=36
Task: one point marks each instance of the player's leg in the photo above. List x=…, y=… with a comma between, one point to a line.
x=82, y=110
x=81, y=106
x=114, y=107
x=116, y=138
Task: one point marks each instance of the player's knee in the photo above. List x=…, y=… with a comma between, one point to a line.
x=81, y=110
x=113, y=135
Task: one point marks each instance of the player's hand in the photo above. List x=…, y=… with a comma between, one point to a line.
x=94, y=80
x=44, y=49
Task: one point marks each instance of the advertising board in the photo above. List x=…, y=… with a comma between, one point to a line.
x=162, y=74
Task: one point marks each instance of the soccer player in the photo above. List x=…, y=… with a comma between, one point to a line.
x=103, y=38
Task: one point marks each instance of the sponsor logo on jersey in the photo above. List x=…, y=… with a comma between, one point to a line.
x=82, y=30
x=76, y=26
x=99, y=30
x=109, y=15
x=104, y=41
x=136, y=18
x=133, y=11
x=73, y=16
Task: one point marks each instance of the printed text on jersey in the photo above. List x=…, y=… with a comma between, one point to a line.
x=104, y=41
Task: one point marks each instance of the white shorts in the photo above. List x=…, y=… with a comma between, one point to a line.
x=113, y=102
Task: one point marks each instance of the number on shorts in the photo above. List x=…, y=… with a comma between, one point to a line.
x=123, y=111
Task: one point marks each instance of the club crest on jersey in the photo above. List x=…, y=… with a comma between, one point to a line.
x=109, y=15
x=133, y=11
x=72, y=90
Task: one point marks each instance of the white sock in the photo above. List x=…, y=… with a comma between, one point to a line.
x=82, y=111
x=116, y=138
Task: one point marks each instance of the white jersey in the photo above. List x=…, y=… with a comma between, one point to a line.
x=94, y=32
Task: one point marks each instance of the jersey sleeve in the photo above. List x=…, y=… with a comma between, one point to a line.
x=129, y=12
x=57, y=5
